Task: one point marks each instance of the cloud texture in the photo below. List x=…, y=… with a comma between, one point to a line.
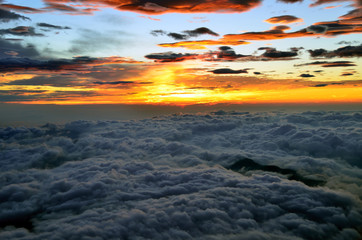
x=164, y=6
x=169, y=178
x=284, y=19
x=347, y=51
x=6, y=16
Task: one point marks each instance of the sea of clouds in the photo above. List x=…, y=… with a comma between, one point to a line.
x=170, y=177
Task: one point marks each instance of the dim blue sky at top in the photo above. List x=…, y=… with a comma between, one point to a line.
x=110, y=32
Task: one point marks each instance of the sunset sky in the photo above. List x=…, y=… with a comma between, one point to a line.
x=181, y=119
x=180, y=52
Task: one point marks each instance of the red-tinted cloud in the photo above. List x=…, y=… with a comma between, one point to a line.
x=290, y=1
x=239, y=39
x=332, y=28
x=320, y=2
x=329, y=64
x=20, y=8
x=350, y=23
x=20, y=31
x=150, y=18
x=284, y=19
x=52, y=6
x=331, y=7
x=202, y=43
x=167, y=6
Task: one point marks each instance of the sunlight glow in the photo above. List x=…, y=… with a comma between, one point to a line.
x=178, y=84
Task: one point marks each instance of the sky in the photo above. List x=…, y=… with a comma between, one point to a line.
x=185, y=119
x=180, y=52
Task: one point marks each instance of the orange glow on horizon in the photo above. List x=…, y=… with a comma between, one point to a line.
x=178, y=84
x=182, y=97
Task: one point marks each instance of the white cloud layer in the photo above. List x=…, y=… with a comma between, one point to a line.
x=169, y=178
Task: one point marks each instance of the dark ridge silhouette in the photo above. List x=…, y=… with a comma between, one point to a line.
x=24, y=221
x=247, y=164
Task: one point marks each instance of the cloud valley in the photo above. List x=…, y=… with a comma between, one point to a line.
x=171, y=177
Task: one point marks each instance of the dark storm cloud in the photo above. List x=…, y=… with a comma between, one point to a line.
x=335, y=28
x=339, y=64
x=14, y=39
x=348, y=51
x=280, y=28
x=18, y=64
x=178, y=36
x=347, y=74
x=284, y=19
x=317, y=29
x=29, y=96
x=347, y=42
x=228, y=71
x=55, y=81
x=171, y=57
x=75, y=64
x=20, y=92
x=200, y=31
x=46, y=25
x=185, y=34
x=167, y=178
x=226, y=53
x=306, y=75
x=158, y=32
x=317, y=52
x=114, y=82
x=21, y=31
x=22, y=51
x=7, y=16
x=330, y=64
x=274, y=54
x=321, y=85
x=296, y=49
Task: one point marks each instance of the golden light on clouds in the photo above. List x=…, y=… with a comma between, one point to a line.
x=181, y=84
